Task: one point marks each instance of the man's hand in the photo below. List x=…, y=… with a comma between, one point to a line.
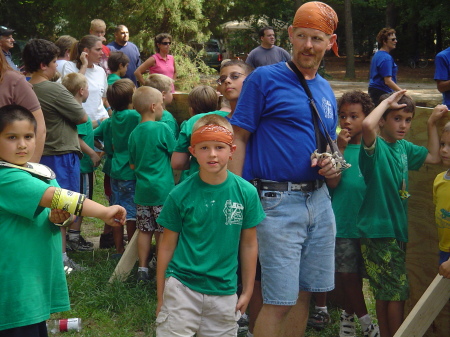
x=328, y=170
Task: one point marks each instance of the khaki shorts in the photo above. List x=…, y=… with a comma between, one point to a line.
x=386, y=267
x=186, y=312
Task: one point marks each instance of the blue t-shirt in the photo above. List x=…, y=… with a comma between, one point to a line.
x=132, y=51
x=274, y=107
x=442, y=72
x=382, y=66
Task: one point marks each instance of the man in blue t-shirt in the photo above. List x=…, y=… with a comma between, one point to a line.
x=442, y=74
x=275, y=137
x=121, y=43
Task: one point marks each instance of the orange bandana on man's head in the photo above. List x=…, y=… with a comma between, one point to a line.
x=317, y=15
x=212, y=132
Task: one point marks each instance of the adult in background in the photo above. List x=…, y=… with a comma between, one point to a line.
x=160, y=62
x=442, y=75
x=267, y=53
x=85, y=56
x=14, y=89
x=64, y=43
x=383, y=69
x=275, y=136
x=6, y=44
x=121, y=43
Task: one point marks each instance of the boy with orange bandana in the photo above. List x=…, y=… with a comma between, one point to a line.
x=207, y=219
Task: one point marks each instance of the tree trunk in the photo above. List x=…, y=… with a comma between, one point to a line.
x=349, y=48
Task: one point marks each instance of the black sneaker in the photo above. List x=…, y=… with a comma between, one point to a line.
x=86, y=243
x=77, y=245
x=142, y=277
x=106, y=241
x=319, y=319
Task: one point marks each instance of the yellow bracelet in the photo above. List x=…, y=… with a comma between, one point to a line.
x=68, y=201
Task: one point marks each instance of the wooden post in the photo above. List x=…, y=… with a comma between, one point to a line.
x=422, y=250
x=426, y=309
x=127, y=260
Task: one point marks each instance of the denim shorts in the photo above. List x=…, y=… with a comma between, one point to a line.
x=296, y=244
x=122, y=193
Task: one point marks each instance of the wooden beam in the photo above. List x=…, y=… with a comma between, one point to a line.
x=426, y=309
x=127, y=260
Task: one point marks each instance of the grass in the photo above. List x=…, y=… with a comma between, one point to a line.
x=127, y=309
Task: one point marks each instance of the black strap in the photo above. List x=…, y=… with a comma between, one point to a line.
x=321, y=140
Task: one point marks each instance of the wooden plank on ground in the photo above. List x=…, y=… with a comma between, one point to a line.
x=127, y=260
x=426, y=309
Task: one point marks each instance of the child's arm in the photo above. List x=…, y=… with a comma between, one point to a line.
x=342, y=142
x=433, y=156
x=180, y=161
x=114, y=215
x=370, y=123
x=167, y=244
x=444, y=269
x=87, y=150
x=248, y=250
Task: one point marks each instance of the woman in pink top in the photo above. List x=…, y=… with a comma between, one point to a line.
x=161, y=62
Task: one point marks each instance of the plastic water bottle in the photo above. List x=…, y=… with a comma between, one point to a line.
x=68, y=324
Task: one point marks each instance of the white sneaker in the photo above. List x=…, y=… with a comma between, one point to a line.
x=372, y=331
x=347, y=326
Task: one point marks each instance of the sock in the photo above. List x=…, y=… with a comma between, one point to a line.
x=74, y=235
x=365, y=321
x=143, y=269
x=324, y=309
x=65, y=257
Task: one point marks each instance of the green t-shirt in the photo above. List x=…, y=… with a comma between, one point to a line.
x=383, y=213
x=209, y=220
x=86, y=133
x=112, y=78
x=347, y=197
x=61, y=113
x=104, y=133
x=32, y=282
x=167, y=118
x=154, y=178
x=122, y=124
x=184, y=140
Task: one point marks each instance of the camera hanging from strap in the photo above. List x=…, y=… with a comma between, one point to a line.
x=321, y=140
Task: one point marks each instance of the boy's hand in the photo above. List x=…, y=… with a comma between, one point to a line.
x=343, y=139
x=243, y=302
x=115, y=216
x=444, y=269
x=96, y=159
x=439, y=112
x=83, y=59
x=58, y=215
x=392, y=100
x=158, y=307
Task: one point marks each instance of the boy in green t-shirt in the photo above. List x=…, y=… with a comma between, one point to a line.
x=118, y=65
x=207, y=220
x=33, y=281
x=123, y=180
x=77, y=84
x=384, y=161
x=163, y=83
x=151, y=164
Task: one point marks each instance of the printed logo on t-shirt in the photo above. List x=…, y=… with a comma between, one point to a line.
x=443, y=221
x=327, y=108
x=233, y=213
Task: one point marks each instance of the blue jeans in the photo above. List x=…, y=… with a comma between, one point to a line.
x=296, y=244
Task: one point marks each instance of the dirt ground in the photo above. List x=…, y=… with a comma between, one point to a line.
x=419, y=82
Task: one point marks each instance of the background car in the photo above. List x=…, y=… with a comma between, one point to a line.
x=210, y=52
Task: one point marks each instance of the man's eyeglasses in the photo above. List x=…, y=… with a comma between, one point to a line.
x=233, y=76
x=166, y=43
